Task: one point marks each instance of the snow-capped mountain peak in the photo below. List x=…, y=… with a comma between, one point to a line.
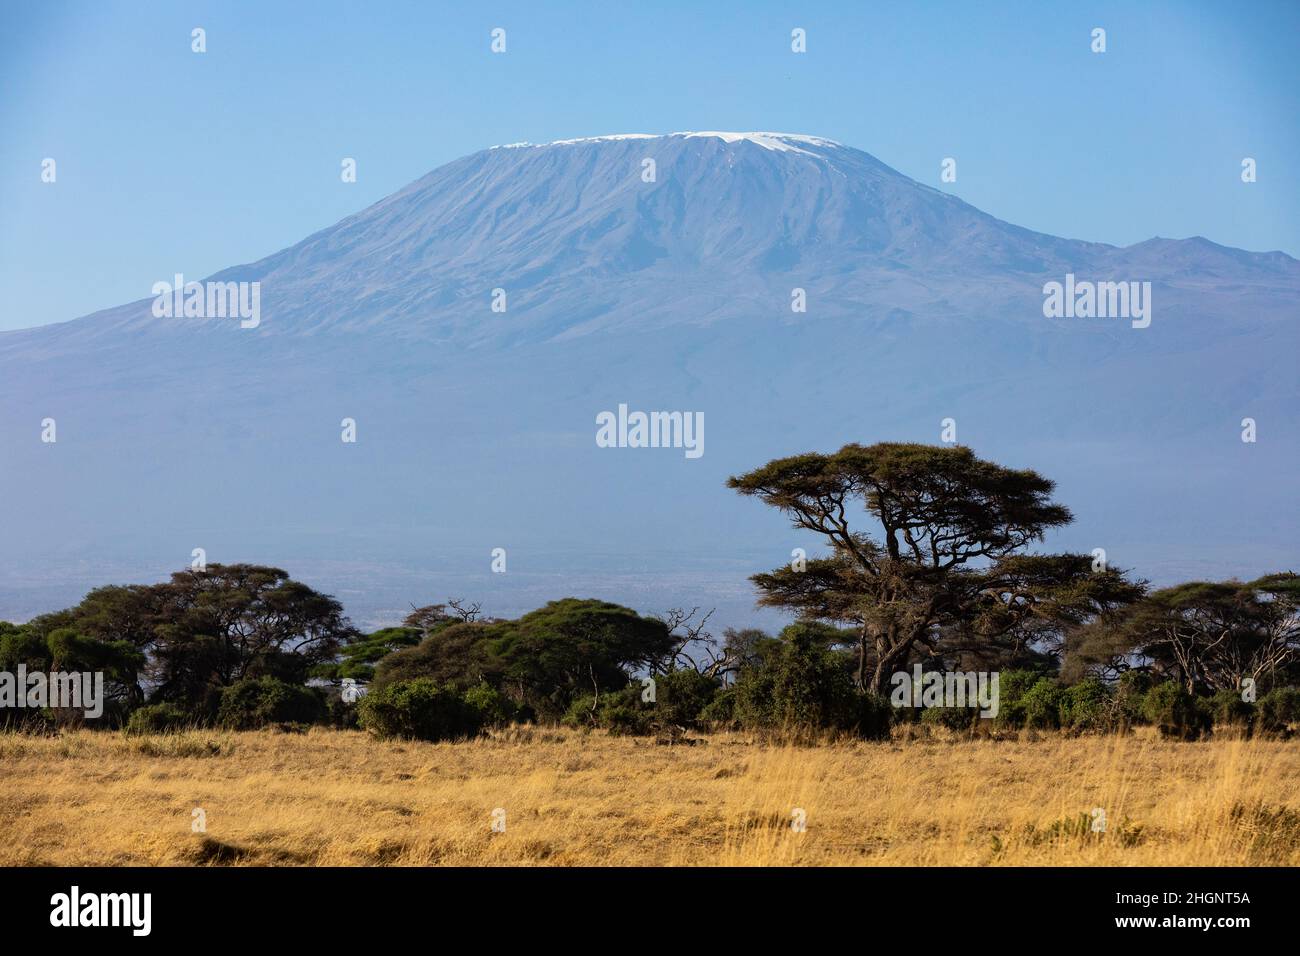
x=784, y=142
x=798, y=293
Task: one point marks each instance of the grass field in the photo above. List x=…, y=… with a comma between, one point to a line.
x=337, y=797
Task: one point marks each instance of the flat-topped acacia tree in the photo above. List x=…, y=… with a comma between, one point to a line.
x=939, y=563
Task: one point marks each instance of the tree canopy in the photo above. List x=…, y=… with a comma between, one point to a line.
x=928, y=553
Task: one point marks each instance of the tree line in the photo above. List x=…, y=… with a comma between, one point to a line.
x=926, y=561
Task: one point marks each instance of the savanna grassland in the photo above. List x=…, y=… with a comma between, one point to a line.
x=330, y=797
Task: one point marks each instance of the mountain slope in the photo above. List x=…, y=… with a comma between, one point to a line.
x=476, y=428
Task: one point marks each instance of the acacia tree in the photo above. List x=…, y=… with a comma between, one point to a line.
x=112, y=629
x=459, y=654
x=572, y=647
x=227, y=622
x=1214, y=635
x=694, y=646
x=433, y=617
x=944, y=566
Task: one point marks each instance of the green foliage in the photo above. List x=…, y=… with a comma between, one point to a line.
x=157, y=719
x=720, y=713
x=360, y=655
x=572, y=648
x=1279, y=708
x=22, y=645
x=954, y=718
x=681, y=695
x=1227, y=709
x=49, y=643
x=460, y=654
x=493, y=708
x=1130, y=693
x=420, y=709
x=964, y=523
x=1088, y=706
x=1013, y=685
x=264, y=701
x=187, y=638
x=620, y=712
x=1212, y=633
x=1042, y=705
x=1177, y=713
x=583, y=711
x=214, y=627
x=804, y=685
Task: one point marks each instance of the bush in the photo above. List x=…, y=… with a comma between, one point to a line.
x=874, y=716
x=619, y=712
x=1176, y=712
x=581, y=712
x=721, y=711
x=157, y=719
x=1042, y=704
x=1278, y=708
x=1088, y=706
x=954, y=718
x=625, y=713
x=1012, y=688
x=420, y=709
x=257, y=702
x=1227, y=709
x=681, y=696
x=1130, y=692
x=802, y=685
x=493, y=708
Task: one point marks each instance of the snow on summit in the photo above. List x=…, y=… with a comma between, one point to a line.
x=783, y=142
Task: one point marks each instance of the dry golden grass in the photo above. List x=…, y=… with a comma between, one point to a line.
x=337, y=797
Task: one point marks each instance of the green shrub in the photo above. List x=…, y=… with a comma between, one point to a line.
x=721, y=711
x=1176, y=712
x=1130, y=692
x=620, y=712
x=625, y=713
x=494, y=709
x=1278, y=708
x=874, y=714
x=1042, y=704
x=263, y=701
x=1088, y=706
x=581, y=712
x=802, y=685
x=1227, y=709
x=1012, y=688
x=157, y=719
x=420, y=709
x=954, y=718
x=681, y=696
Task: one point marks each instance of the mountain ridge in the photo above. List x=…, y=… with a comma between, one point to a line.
x=476, y=429
x=448, y=251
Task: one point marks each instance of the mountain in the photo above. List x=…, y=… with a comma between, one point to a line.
x=476, y=428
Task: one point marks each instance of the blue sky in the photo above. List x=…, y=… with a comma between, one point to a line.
x=171, y=161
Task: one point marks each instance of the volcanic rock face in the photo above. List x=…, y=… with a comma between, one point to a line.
x=476, y=323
